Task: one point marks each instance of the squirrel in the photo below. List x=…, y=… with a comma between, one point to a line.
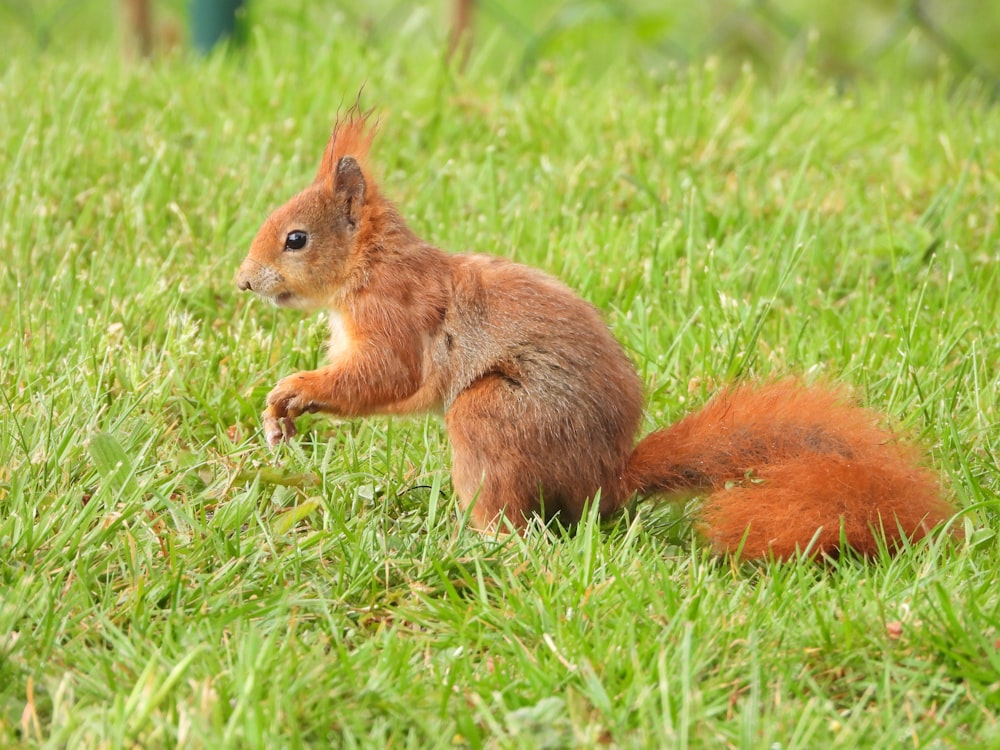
x=541, y=403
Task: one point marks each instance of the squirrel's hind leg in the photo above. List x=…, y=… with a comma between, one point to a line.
x=490, y=469
x=519, y=456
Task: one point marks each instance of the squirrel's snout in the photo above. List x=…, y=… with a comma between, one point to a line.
x=254, y=276
x=243, y=277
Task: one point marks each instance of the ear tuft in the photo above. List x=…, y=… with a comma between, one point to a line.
x=352, y=136
x=349, y=190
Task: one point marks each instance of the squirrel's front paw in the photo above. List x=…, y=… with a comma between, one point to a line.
x=283, y=406
x=278, y=429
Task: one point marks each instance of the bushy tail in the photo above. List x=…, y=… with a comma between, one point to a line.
x=786, y=466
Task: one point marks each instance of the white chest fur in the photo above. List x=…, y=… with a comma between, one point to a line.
x=340, y=343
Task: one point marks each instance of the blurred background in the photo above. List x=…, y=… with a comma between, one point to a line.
x=842, y=39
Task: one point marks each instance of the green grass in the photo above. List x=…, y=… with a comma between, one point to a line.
x=166, y=580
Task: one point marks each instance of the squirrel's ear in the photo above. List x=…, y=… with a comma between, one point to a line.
x=349, y=189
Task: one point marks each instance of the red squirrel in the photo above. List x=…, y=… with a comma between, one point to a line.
x=540, y=401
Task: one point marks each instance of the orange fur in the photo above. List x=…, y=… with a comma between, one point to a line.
x=787, y=467
x=352, y=136
x=541, y=404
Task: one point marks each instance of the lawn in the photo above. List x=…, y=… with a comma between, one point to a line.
x=167, y=580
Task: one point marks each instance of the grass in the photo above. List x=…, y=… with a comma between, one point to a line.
x=166, y=580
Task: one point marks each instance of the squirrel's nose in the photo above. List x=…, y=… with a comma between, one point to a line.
x=244, y=285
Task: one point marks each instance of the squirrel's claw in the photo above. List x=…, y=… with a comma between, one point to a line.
x=279, y=417
x=278, y=429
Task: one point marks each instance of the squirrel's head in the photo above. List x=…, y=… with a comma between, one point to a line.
x=306, y=250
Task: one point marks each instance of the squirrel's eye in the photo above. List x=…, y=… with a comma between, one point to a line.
x=296, y=240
